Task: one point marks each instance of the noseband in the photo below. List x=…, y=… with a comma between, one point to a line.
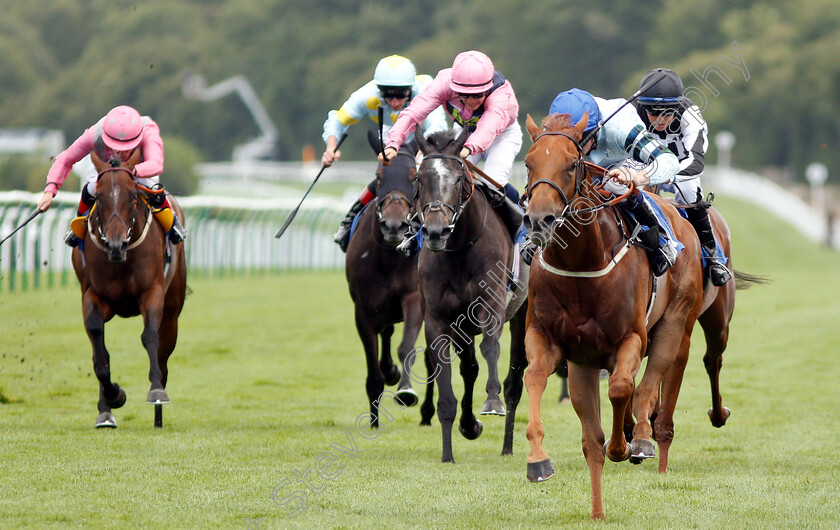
x=437, y=205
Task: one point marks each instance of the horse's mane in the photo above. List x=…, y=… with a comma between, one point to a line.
x=441, y=139
x=557, y=122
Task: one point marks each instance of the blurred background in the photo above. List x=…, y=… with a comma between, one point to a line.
x=241, y=88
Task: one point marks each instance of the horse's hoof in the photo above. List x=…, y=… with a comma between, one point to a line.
x=726, y=415
x=476, y=431
x=407, y=396
x=105, y=419
x=393, y=375
x=627, y=453
x=118, y=401
x=641, y=450
x=157, y=396
x=494, y=407
x=540, y=471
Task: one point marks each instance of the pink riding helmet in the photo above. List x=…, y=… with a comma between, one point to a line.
x=472, y=73
x=122, y=129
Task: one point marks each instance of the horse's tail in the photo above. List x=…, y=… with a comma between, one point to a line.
x=745, y=281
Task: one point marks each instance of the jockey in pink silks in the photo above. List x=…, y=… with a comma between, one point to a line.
x=476, y=96
x=116, y=136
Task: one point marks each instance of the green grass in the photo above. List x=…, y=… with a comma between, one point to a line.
x=269, y=375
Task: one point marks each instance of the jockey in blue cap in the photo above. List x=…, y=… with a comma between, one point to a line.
x=630, y=153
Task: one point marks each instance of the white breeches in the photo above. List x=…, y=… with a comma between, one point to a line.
x=498, y=158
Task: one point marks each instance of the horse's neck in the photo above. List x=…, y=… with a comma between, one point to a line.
x=470, y=222
x=585, y=244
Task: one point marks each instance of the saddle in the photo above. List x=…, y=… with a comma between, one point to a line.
x=510, y=213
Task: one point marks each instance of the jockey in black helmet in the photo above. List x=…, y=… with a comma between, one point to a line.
x=677, y=122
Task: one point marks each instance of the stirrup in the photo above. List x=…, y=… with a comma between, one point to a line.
x=177, y=233
x=663, y=259
x=408, y=246
x=71, y=239
x=342, y=236
x=719, y=274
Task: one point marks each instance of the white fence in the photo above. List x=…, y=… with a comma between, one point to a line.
x=226, y=236
x=236, y=236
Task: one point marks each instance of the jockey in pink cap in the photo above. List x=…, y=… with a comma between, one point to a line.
x=478, y=97
x=116, y=136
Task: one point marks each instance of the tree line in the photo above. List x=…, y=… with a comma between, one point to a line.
x=766, y=71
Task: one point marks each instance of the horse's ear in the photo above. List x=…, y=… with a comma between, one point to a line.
x=462, y=139
x=98, y=163
x=425, y=146
x=134, y=160
x=373, y=140
x=581, y=125
x=531, y=126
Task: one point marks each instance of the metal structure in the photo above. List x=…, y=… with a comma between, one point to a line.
x=260, y=148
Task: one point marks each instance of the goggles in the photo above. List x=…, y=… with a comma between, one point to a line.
x=471, y=96
x=395, y=92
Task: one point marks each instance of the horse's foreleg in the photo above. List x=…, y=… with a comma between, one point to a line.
x=111, y=396
x=621, y=384
x=151, y=306
x=513, y=381
x=543, y=360
x=439, y=344
x=490, y=350
x=427, y=409
x=375, y=382
x=413, y=318
x=469, y=426
x=586, y=400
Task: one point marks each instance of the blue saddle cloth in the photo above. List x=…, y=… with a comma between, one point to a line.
x=663, y=223
x=705, y=253
x=356, y=221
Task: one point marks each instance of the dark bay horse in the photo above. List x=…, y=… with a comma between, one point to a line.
x=383, y=284
x=464, y=266
x=122, y=272
x=592, y=301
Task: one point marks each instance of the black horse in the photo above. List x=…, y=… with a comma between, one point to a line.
x=464, y=270
x=383, y=284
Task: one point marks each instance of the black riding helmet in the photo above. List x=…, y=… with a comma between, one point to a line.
x=667, y=93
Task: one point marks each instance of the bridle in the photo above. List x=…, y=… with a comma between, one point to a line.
x=398, y=196
x=129, y=228
x=438, y=206
x=580, y=167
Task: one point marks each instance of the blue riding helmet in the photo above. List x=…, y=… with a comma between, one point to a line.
x=577, y=102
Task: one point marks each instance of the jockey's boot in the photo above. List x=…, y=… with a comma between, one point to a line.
x=177, y=233
x=661, y=252
x=87, y=200
x=699, y=219
x=342, y=236
x=409, y=243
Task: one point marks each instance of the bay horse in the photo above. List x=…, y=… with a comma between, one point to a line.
x=594, y=302
x=122, y=271
x=464, y=270
x=383, y=283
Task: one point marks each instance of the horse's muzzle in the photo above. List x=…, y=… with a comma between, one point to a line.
x=117, y=252
x=435, y=236
x=539, y=228
x=392, y=231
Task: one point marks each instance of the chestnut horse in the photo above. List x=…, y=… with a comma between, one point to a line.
x=464, y=270
x=594, y=302
x=122, y=271
x=383, y=283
